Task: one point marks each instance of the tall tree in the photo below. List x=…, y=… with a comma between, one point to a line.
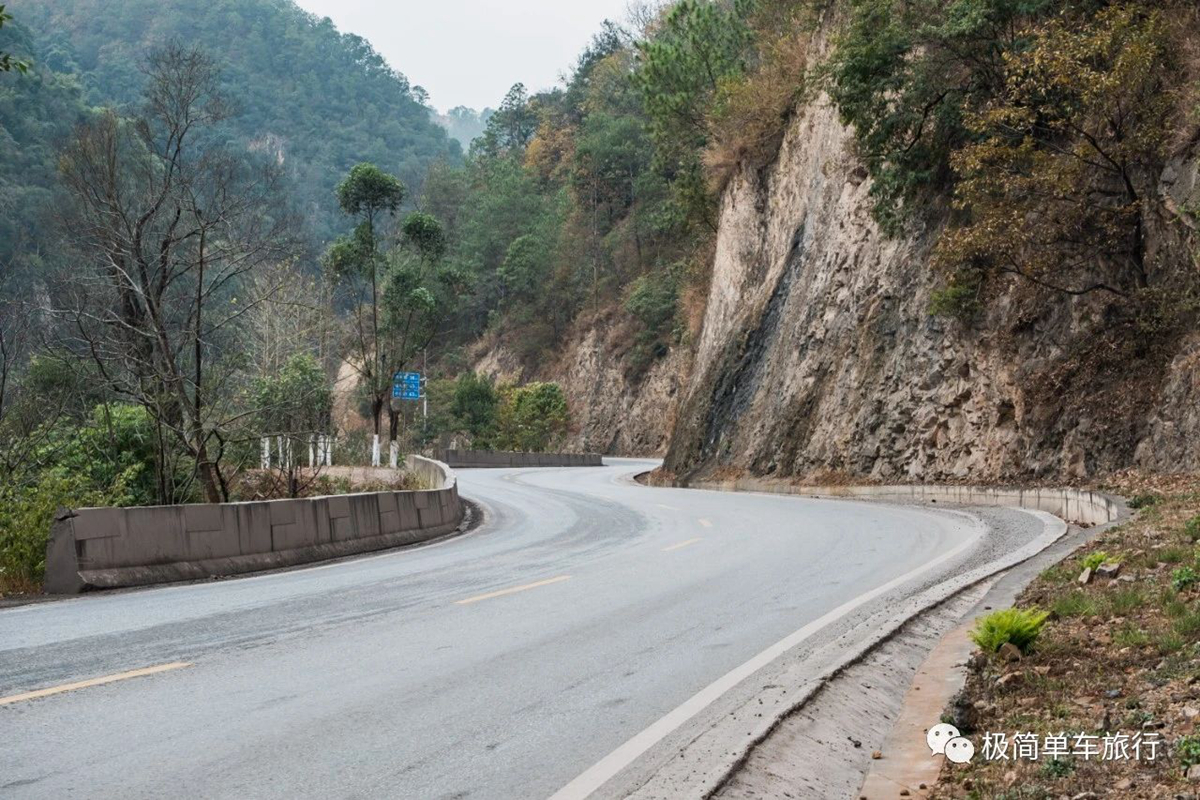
x=418, y=297
x=371, y=195
x=169, y=225
x=1061, y=180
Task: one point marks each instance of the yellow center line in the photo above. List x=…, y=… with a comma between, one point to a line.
x=678, y=545
x=70, y=687
x=513, y=590
x=705, y=523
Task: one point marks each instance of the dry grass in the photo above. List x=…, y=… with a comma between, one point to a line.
x=751, y=113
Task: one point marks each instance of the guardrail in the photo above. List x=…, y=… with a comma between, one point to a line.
x=1073, y=505
x=102, y=548
x=498, y=458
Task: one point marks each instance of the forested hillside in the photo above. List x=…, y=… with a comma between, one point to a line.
x=591, y=200
x=858, y=197
x=314, y=98
x=950, y=239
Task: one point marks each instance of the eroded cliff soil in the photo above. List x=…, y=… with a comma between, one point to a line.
x=818, y=352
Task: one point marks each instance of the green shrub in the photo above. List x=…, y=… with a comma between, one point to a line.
x=652, y=301
x=533, y=418
x=1187, y=750
x=1191, y=528
x=475, y=406
x=958, y=299
x=1144, y=500
x=1184, y=578
x=1095, y=559
x=1015, y=625
x=26, y=513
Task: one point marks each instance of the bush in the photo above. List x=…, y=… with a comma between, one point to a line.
x=1184, y=578
x=1144, y=500
x=1095, y=559
x=1187, y=751
x=653, y=302
x=1191, y=528
x=958, y=299
x=533, y=418
x=475, y=406
x=26, y=513
x=115, y=448
x=1017, y=626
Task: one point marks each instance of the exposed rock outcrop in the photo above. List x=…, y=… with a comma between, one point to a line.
x=818, y=352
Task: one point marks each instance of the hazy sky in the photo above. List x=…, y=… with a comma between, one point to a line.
x=469, y=52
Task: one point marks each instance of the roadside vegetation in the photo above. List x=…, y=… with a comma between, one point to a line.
x=1120, y=653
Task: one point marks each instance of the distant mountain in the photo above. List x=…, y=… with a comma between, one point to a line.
x=320, y=99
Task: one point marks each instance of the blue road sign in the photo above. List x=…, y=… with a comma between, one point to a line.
x=406, y=386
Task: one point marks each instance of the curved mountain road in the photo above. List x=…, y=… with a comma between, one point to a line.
x=572, y=640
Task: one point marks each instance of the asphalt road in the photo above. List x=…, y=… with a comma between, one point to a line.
x=422, y=673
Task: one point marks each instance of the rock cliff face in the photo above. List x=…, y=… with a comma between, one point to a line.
x=818, y=353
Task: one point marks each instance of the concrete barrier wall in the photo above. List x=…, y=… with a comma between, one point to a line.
x=101, y=548
x=498, y=458
x=1073, y=505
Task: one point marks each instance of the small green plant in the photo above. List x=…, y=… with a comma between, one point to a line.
x=1168, y=642
x=1172, y=606
x=1094, y=559
x=1191, y=528
x=1057, y=768
x=1017, y=626
x=1184, y=578
x=1187, y=750
x=1058, y=575
x=1187, y=624
x=1144, y=500
x=1131, y=636
x=1173, y=555
x=958, y=299
x=1123, y=601
x=1074, y=604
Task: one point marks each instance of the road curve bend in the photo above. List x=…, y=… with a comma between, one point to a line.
x=566, y=645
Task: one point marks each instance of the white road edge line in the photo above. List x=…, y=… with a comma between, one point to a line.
x=605, y=769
